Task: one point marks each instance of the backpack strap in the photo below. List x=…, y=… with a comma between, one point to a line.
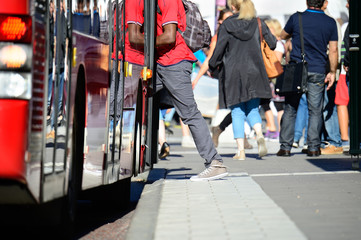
x=260, y=28
x=301, y=37
x=158, y=9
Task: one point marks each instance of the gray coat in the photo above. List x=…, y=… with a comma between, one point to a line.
x=238, y=52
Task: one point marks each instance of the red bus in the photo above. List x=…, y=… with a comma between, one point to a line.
x=68, y=123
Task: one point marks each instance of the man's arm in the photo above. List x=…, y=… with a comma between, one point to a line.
x=168, y=36
x=333, y=57
x=135, y=36
x=285, y=35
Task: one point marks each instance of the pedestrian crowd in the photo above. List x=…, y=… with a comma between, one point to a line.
x=234, y=57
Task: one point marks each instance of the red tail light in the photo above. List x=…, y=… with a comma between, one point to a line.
x=15, y=28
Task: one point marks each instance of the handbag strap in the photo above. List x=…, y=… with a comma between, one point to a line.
x=301, y=37
x=260, y=29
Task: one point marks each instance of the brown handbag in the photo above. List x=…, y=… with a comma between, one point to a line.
x=273, y=66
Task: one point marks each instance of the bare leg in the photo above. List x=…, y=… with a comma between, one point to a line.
x=262, y=150
x=270, y=121
x=240, y=155
x=343, y=119
x=161, y=132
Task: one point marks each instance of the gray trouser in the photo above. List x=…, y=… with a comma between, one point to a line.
x=115, y=93
x=177, y=80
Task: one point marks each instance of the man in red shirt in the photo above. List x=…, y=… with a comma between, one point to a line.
x=174, y=68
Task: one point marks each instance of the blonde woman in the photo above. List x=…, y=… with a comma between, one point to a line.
x=245, y=79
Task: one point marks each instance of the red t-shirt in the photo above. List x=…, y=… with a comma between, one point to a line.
x=133, y=54
x=172, y=11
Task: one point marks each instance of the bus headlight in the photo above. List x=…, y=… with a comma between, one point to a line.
x=15, y=85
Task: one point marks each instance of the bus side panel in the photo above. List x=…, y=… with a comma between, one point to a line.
x=14, y=7
x=13, y=138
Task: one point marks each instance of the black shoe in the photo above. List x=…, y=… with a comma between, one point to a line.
x=164, y=151
x=313, y=153
x=284, y=153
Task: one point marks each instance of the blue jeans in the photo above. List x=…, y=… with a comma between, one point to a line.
x=50, y=86
x=242, y=112
x=315, y=85
x=60, y=98
x=61, y=88
x=162, y=113
x=301, y=120
x=331, y=130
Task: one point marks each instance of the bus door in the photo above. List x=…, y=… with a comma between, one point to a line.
x=130, y=112
x=127, y=97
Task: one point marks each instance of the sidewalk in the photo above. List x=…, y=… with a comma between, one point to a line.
x=269, y=198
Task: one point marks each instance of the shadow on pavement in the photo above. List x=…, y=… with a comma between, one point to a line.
x=332, y=164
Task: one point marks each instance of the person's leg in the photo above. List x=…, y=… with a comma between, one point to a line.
x=187, y=140
x=58, y=95
x=280, y=109
x=50, y=88
x=50, y=96
x=343, y=119
x=271, y=126
x=255, y=120
x=226, y=122
x=161, y=130
x=176, y=79
x=169, y=115
x=164, y=146
x=217, y=130
x=61, y=88
x=342, y=100
x=113, y=93
x=301, y=119
x=331, y=126
x=315, y=95
x=288, y=122
x=238, y=119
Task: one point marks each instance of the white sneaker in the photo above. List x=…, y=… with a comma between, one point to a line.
x=216, y=171
x=188, y=142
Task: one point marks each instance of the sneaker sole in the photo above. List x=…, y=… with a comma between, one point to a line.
x=333, y=153
x=210, y=178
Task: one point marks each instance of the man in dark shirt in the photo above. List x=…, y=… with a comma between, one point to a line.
x=319, y=31
x=62, y=39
